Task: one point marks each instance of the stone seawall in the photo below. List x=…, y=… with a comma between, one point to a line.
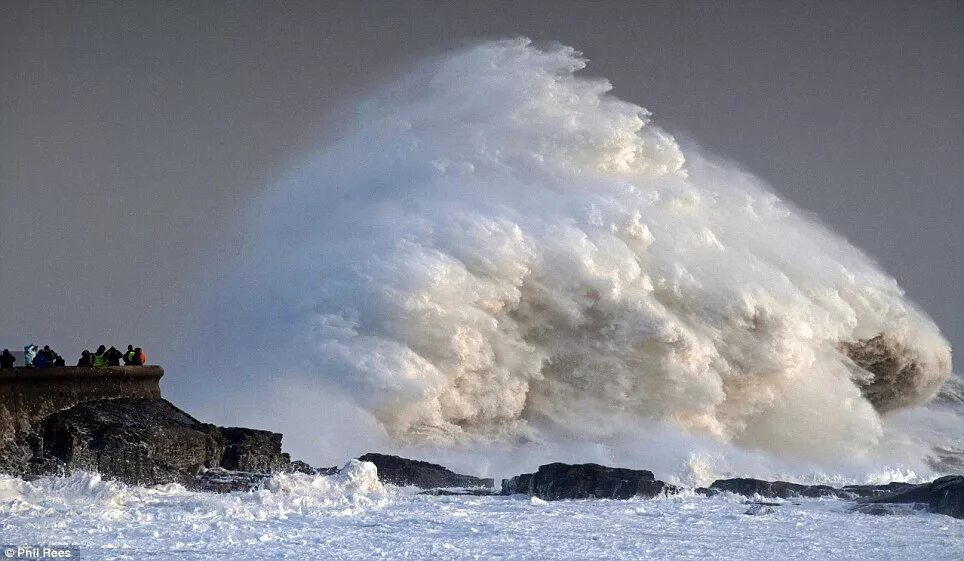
x=29, y=394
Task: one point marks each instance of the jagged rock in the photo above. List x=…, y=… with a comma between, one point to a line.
x=477, y=492
x=138, y=441
x=759, y=510
x=253, y=450
x=15, y=456
x=785, y=490
x=892, y=375
x=586, y=481
x=773, y=489
x=220, y=480
x=889, y=509
x=297, y=466
x=143, y=442
x=944, y=495
x=861, y=491
x=402, y=471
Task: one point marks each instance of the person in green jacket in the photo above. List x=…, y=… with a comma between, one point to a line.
x=100, y=357
x=129, y=356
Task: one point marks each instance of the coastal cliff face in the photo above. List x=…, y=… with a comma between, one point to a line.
x=144, y=442
x=30, y=394
x=112, y=420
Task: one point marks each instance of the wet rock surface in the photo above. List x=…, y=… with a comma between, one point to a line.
x=786, y=490
x=559, y=481
x=253, y=450
x=221, y=480
x=861, y=491
x=891, y=375
x=297, y=466
x=890, y=509
x=404, y=472
x=759, y=510
x=143, y=442
x=944, y=495
x=138, y=441
x=770, y=489
x=471, y=492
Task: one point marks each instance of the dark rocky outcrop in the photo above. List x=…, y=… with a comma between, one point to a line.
x=297, y=466
x=860, y=491
x=404, y=472
x=220, y=480
x=770, y=489
x=883, y=509
x=759, y=510
x=138, y=441
x=253, y=450
x=146, y=442
x=470, y=492
x=891, y=374
x=943, y=496
x=785, y=490
x=558, y=481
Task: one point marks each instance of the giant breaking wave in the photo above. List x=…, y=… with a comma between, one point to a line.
x=501, y=250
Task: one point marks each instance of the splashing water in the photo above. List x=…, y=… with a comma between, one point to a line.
x=500, y=251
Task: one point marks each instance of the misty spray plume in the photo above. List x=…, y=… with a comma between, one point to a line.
x=501, y=251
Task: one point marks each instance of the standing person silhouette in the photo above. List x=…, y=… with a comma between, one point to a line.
x=113, y=356
x=86, y=359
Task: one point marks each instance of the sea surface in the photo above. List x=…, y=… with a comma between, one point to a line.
x=353, y=516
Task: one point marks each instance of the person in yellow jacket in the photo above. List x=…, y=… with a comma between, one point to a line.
x=129, y=356
x=100, y=357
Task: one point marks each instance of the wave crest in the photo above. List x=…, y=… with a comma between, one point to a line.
x=502, y=250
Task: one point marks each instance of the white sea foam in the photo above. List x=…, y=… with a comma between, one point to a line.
x=353, y=517
x=353, y=489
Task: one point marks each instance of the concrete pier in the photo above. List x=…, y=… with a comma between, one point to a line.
x=28, y=394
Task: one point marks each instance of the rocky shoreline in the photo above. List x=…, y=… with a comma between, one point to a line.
x=150, y=441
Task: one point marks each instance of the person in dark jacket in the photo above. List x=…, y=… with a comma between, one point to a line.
x=113, y=356
x=7, y=359
x=86, y=359
x=49, y=356
x=59, y=361
x=42, y=360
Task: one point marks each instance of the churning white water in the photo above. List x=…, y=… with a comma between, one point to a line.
x=352, y=516
x=499, y=252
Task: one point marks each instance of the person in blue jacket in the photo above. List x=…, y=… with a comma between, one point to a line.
x=42, y=360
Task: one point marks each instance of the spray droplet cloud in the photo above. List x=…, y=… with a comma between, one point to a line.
x=501, y=250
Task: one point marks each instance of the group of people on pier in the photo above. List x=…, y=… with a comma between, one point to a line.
x=35, y=357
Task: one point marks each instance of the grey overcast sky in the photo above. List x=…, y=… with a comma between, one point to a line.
x=132, y=133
